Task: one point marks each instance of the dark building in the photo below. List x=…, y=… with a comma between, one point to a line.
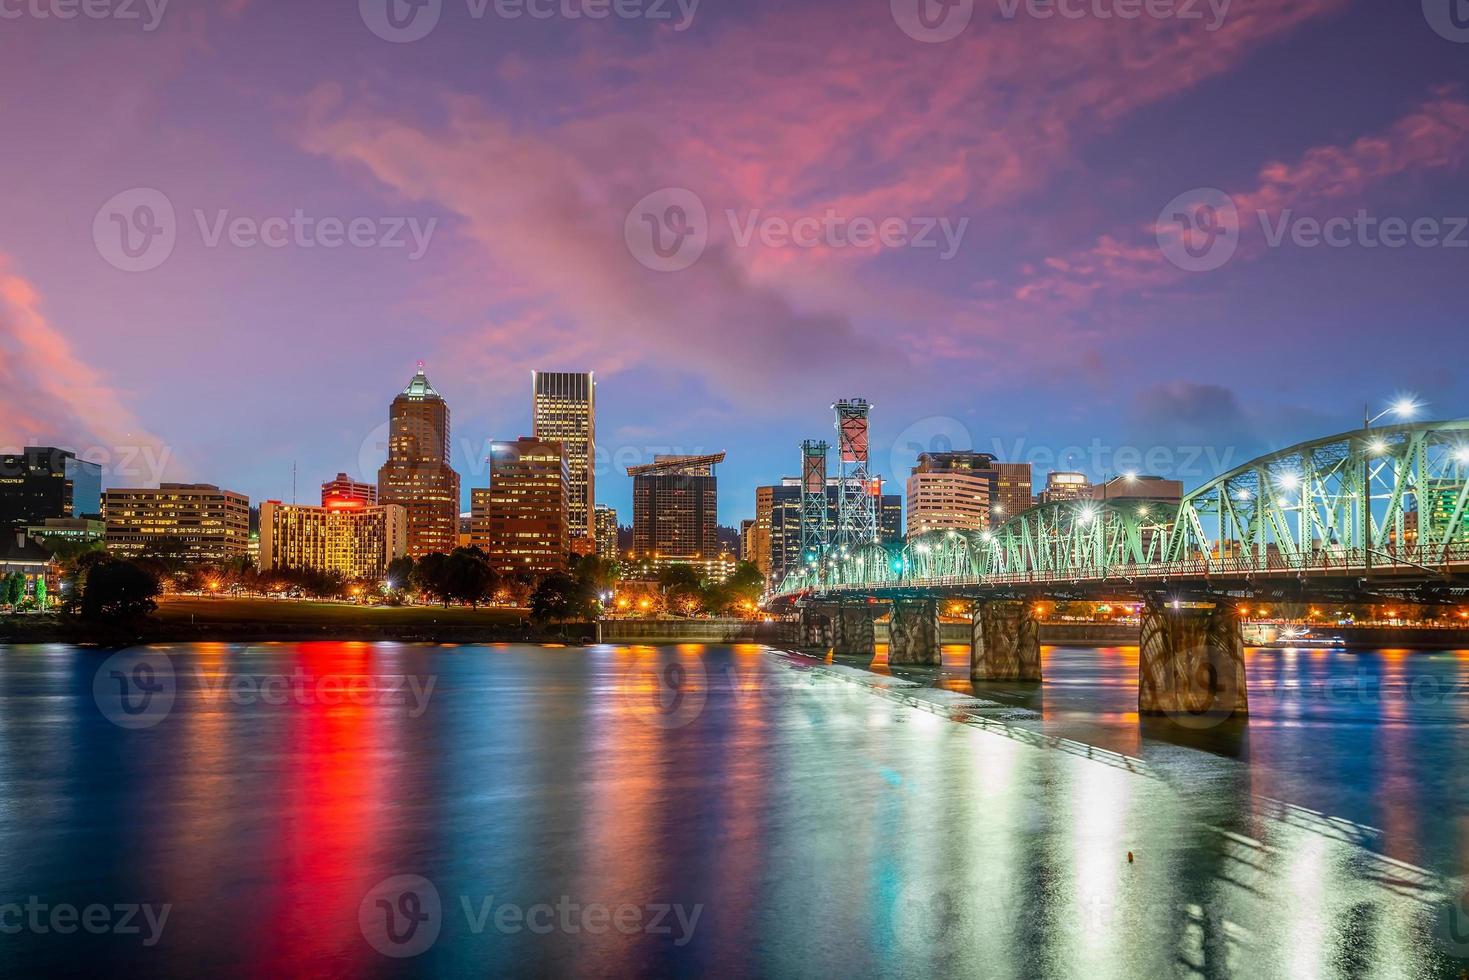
x=521, y=521
x=675, y=507
x=785, y=522
x=417, y=474
x=42, y=482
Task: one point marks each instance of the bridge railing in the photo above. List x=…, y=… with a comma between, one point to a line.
x=1323, y=561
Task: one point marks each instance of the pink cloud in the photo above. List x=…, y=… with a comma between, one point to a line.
x=40, y=369
x=1334, y=179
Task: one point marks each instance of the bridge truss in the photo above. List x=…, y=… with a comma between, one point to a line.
x=1388, y=500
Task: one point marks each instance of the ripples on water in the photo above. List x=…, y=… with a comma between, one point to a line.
x=800, y=827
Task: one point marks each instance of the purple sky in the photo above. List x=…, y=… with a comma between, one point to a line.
x=1068, y=318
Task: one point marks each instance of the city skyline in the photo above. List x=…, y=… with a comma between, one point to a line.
x=1057, y=288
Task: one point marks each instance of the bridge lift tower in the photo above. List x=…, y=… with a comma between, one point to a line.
x=856, y=502
x=815, y=530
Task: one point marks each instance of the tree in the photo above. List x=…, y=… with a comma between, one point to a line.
x=400, y=572
x=119, y=591
x=560, y=597
x=41, y=592
x=14, y=589
x=430, y=576
x=682, y=589
x=468, y=577
x=739, y=594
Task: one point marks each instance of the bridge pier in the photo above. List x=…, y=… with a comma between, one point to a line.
x=816, y=626
x=1005, y=642
x=854, y=632
x=1192, y=662
x=913, y=636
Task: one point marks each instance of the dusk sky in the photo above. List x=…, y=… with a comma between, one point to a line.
x=1060, y=310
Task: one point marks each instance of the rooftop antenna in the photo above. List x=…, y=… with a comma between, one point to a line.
x=293, y=482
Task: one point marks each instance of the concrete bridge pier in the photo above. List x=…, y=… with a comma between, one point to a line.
x=1005, y=642
x=913, y=635
x=1192, y=662
x=854, y=632
x=816, y=626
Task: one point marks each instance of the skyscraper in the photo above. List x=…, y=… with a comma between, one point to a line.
x=520, y=521
x=207, y=524
x=417, y=474
x=606, y=528
x=42, y=482
x=675, y=507
x=566, y=410
x=950, y=492
x=344, y=534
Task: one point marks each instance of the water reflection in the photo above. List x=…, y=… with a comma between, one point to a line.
x=815, y=827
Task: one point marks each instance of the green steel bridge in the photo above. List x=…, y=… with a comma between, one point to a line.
x=1372, y=513
x=1367, y=511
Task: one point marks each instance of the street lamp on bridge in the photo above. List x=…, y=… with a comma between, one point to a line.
x=1404, y=408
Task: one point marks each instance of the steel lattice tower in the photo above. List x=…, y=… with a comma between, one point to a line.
x=856, y=503
x=815, y=533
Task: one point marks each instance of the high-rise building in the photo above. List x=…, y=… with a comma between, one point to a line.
x=42, y=482
x=785, y=521
x=206, y=524
x=417, y=474
x=1013, y=491
x=566, y=411
x=520, y=521
x=1139, y=487
x=606, y=531
x=346, y=488
x=760, y=532
x=343, y=535
x=675, y=507
x=1065, y=486
x=950, y=492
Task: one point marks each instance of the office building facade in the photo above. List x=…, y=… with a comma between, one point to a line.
x=417, y=475
x=606, y=531
x=207, y=524
x=42, y=482
x=950, y=492
x=565, y=411
x=1065, y=486
x=675, y=507
x=344, y=487
x=522, y=520
x=344, y=535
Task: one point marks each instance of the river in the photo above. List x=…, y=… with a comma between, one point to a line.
x=385, y=809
